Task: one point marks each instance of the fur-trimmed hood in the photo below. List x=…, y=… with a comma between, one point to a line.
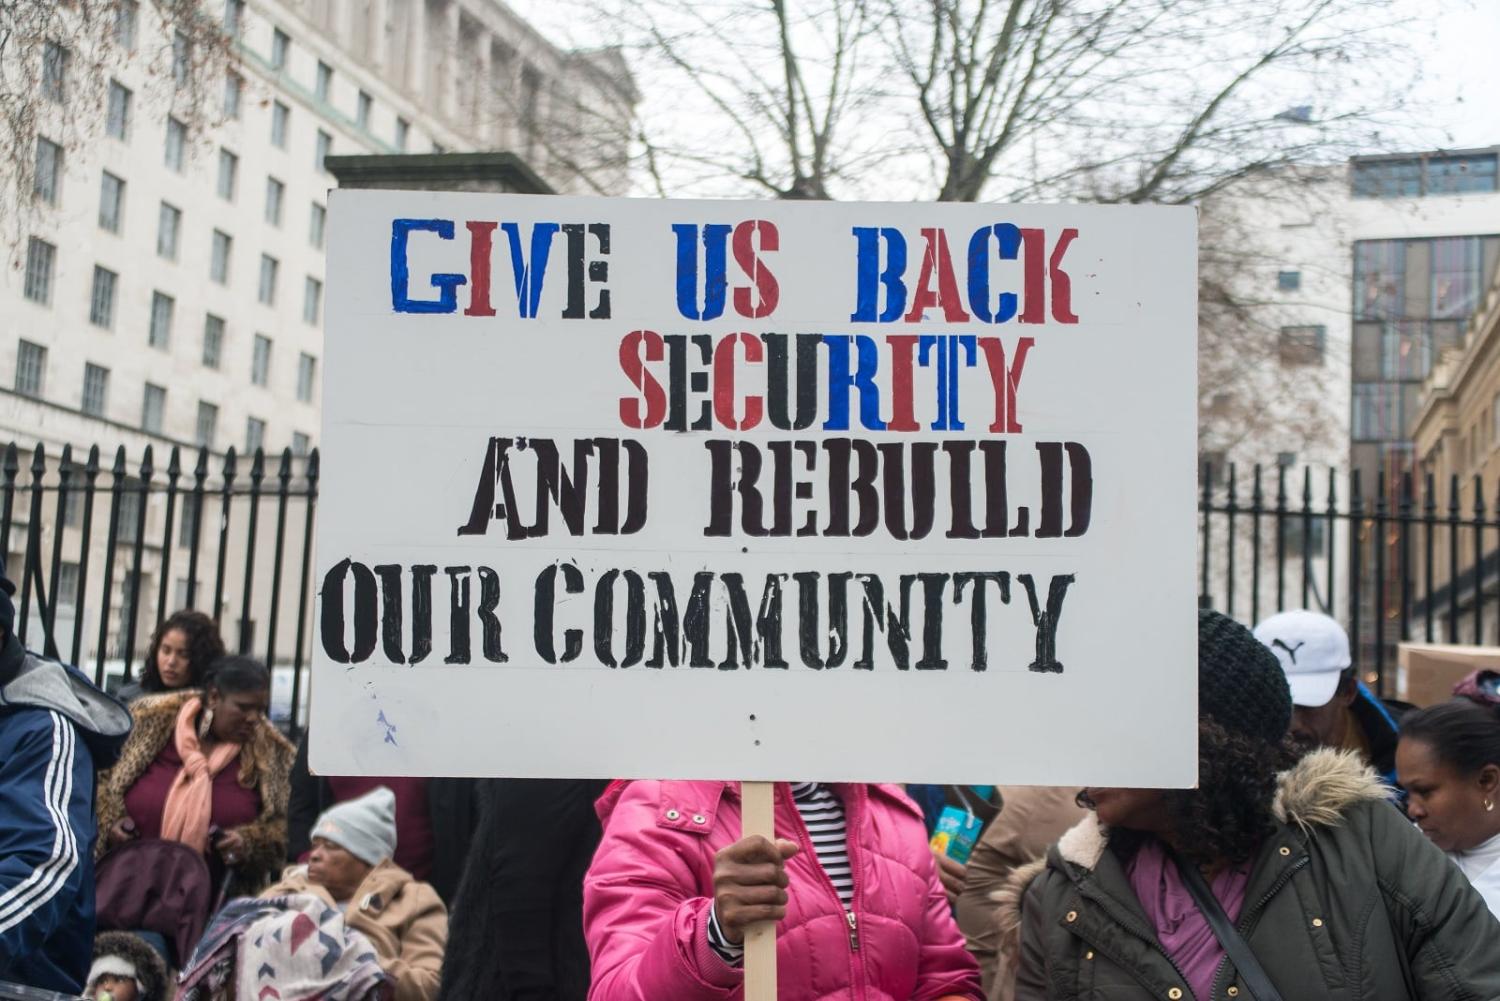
x=117, y=951
x=1316, y=792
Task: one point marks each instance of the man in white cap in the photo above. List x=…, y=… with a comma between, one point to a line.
x=1331, y=707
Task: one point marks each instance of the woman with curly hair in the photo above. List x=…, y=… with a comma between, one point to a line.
x=181, y=651
x=1331, y=890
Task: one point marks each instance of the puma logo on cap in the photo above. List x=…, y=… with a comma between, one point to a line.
x=1291, y=651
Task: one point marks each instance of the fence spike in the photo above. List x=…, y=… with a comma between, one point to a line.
x=284, y=469
x=174, y=463
x=1479, y=514
x=1257, y=508
x=1453, y=516
x=1429, y=523
x=1403, y=534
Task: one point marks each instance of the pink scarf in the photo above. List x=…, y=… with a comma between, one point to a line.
x=190, y=800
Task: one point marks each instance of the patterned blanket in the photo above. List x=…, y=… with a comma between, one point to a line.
x=292, y=948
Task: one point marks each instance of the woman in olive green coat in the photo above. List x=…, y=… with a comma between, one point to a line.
x=1338, y=896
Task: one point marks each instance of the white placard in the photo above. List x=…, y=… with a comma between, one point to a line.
x=757, y=490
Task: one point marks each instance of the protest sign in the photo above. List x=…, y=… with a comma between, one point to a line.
x=692, y=489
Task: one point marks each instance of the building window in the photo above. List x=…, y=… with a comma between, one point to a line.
x=218, y=264
x=275, y=192
x=1438, y=174
x=325, y=147
x=403, y=134
x=130, y=514
x=255, y=435
x=281, y=44
x=126, y=15
x=31, y=368
x=229, y=173
x=153, y=409
x=168, y=226
x=260, y=361
x=362, y=109
x=162, y=307
x=1302, y=345
x=1452, y=175
x=95, y=389
x=316, y=225
x=301, y=443
x=182, y=59
x=65, y=591
x=1379, y=279
x=207, y=426
x=48, y=180
x=307, y=375
x=185, y=533
x=40, y=256
x=102, y=301
x=111, y=202
x=269, y=267
x=117, y=119
x=279, y=115
x=1288, y=281
x=234, y=17
x=55, y=72
x=176, y=144
x=1388, y=179
x=213, y=340
x=1316, y=536
x=324, y=83
x=1457, y=278
x=312, y=301
x=234, y=95
x=1382, y=410
x=1211, y=468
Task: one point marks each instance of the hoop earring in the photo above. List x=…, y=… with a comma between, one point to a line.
x=1489, y=805
x=205, y=724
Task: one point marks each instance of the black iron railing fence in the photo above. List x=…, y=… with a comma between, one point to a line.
x=83, y=540
x=1411, y=560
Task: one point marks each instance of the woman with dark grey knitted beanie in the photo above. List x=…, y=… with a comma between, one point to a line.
x=1306, y=867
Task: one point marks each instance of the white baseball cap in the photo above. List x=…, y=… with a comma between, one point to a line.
x=1313, y=650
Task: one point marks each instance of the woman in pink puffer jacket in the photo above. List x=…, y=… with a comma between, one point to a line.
x=672, y=887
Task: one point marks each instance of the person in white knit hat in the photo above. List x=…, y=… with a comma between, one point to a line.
x=351, y=868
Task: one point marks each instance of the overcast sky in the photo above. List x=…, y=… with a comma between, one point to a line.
x=1464, y=85
x=1455, y=101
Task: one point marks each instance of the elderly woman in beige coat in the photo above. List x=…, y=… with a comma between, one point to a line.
x=350, y=868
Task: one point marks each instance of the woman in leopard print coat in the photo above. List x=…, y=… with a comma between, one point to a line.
x=249, y=796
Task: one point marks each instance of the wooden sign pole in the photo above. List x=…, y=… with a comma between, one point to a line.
x=758, y=816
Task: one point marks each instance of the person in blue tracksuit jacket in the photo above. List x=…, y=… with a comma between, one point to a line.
x=56, y=729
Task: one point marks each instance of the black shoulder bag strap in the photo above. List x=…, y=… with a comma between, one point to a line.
x=1235, y=946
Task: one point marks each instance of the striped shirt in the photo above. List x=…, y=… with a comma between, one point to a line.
x=823, y=815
